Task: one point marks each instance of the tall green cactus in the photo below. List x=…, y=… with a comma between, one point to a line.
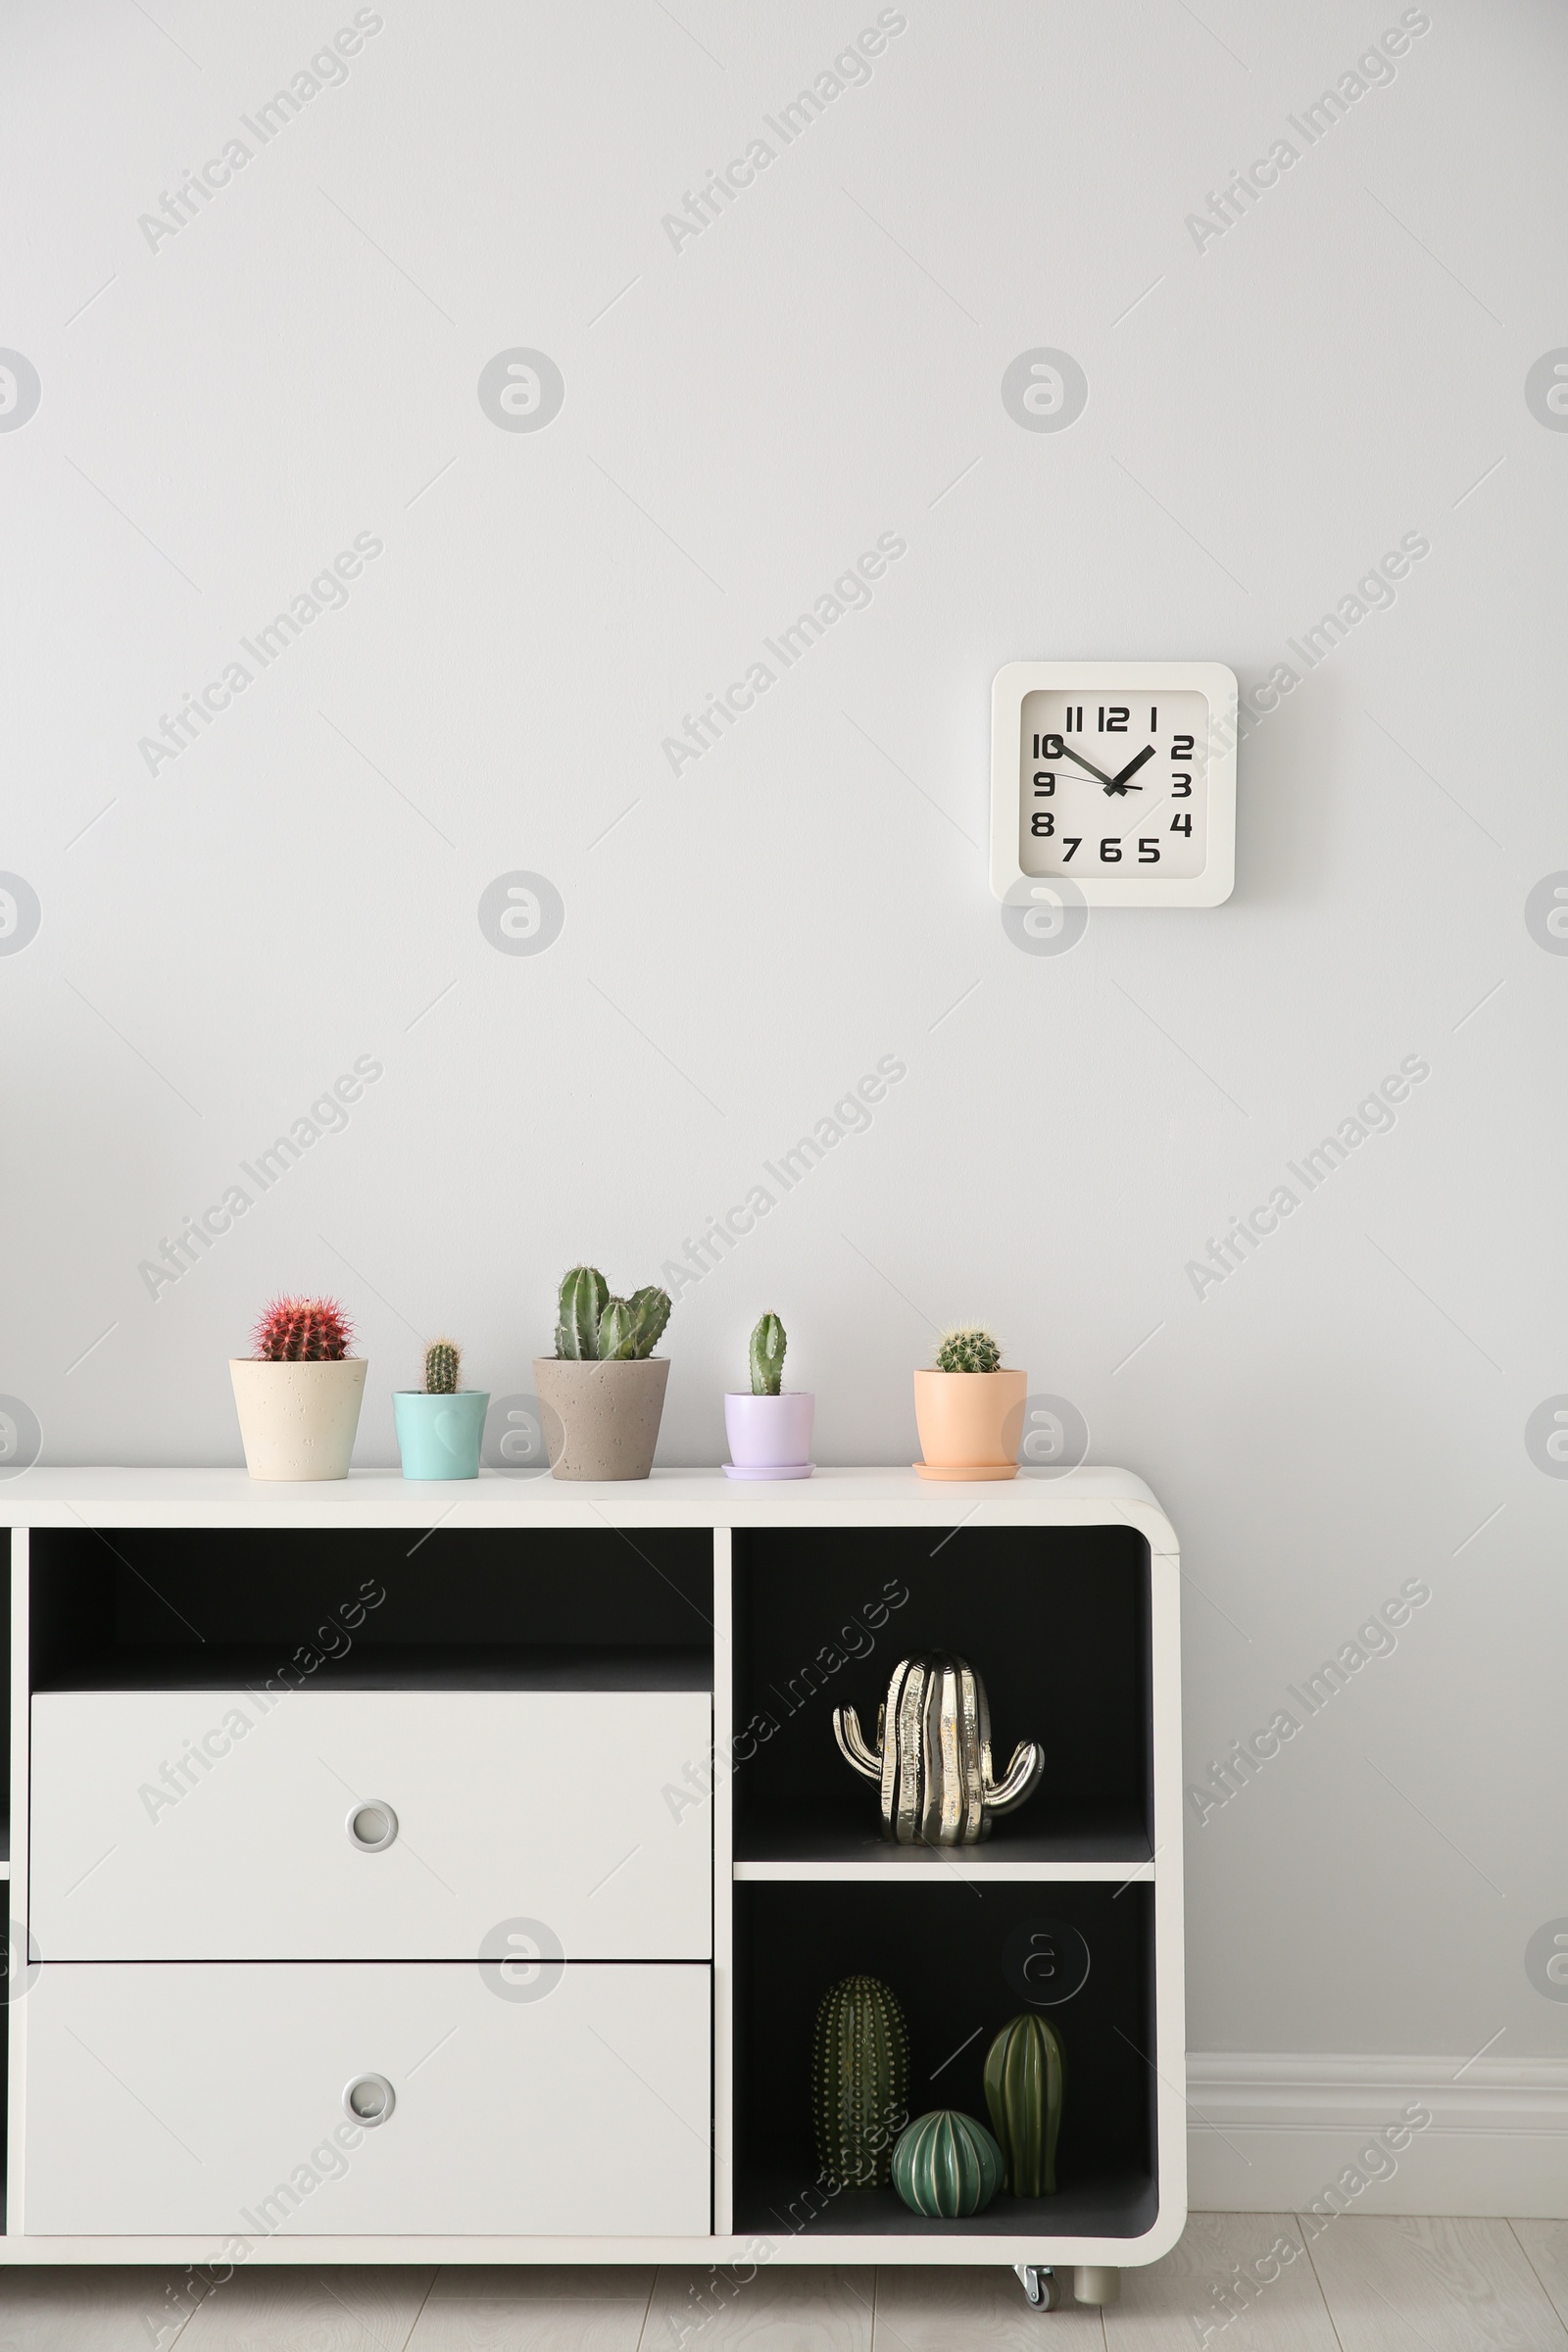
x=584, y=1293
x=443, y=1363
x=767, y=1356
x=1023, y=2080
x=592, y=1326
x=859, y=2081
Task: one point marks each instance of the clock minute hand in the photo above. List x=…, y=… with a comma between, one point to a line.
x=1118, y=783
x=1098, y=775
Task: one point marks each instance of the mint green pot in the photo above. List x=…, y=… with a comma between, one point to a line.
x=438, y=1436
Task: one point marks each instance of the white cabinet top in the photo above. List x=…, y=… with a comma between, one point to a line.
x=221, y=1497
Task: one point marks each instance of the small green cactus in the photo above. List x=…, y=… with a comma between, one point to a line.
x=968, y=1349
x=859, y=2081
x=947, y=2166
x=767, y=1356
x=593, y=1326
x=443, y=1365
x=650, y=1312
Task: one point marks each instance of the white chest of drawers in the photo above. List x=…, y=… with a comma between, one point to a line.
x=499, y=1937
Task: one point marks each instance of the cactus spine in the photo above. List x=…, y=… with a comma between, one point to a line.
x=767, y=1356
x=443, y=1364
x=302, y=1331
x=592, y=1326
x=859, y=2081
x=1023, y=2090
x=968, y=1349
x=947, y=2165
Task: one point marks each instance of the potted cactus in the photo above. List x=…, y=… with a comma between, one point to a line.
x=769, y=1432
x=601, y=1393
x=439, y=1426
x=298, y=1396
x=969, y=1411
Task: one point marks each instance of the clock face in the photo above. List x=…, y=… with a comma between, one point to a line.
x=1113, y=783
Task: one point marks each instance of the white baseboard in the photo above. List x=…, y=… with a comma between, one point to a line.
x=1271, y=2132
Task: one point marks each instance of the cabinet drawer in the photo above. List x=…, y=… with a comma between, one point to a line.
x=167, y=2098
x=194, y=1825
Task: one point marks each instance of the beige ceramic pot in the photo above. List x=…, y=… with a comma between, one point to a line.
x=601, y=1420
x=970, y=1423
x=297, y=1420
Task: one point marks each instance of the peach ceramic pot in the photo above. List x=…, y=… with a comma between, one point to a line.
x=970, y=1423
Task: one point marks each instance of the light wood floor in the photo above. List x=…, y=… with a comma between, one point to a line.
x=1358, y=2284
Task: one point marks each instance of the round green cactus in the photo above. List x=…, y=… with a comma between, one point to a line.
x=1023, y=2080
x=968, y=1349
x=443, y=1366
x=859, y=2081
x=946, y=2164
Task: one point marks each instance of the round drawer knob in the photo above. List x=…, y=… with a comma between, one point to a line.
x=369, y=2100
x=372, y=1826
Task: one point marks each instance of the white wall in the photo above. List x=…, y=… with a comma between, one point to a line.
x=224, y=409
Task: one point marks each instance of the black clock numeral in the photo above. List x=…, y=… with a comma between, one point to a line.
x=1147, y=853
x=1181, y=785
x=1043, y=823
x=1049, y=747
x=1182, y=747
x=1045, y=783
x=1074, y=722
x=1153, y=720
x=1182, y=823
x=1116, y=722
x=1111, y=850
x=1069, y=843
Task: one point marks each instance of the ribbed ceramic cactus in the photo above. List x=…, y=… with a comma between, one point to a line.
x=968, y=1349
x=592, y=1326
x=302, y=1331
x=946, y=2164
x=767, y=1356
x=443, y=1365
x=1023, y=2091
x=859, y=2081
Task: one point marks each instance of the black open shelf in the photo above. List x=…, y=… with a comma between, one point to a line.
x=944, y=1950
x=1056, y=1621
x=550, y=1608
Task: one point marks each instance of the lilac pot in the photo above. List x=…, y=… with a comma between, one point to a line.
x=770, y=1433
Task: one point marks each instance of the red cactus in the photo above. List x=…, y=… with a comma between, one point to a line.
x=302, y=1331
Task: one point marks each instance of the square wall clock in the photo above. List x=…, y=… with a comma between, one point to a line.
x=1119, y=776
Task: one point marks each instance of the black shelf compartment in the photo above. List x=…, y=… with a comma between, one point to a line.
x=551, y=1608
x=943, y=1951
x=1056, y=1621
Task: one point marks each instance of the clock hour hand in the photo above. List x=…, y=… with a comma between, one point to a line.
x=1119, y=783
x=1098, y=774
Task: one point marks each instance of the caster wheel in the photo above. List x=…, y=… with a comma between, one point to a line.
x=1041, y=2284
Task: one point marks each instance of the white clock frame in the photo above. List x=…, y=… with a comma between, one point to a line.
x=1211, y=679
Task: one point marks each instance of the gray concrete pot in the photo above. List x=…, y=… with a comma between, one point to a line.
x=601, y=1420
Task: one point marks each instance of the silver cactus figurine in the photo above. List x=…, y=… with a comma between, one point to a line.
x=933, y=1754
